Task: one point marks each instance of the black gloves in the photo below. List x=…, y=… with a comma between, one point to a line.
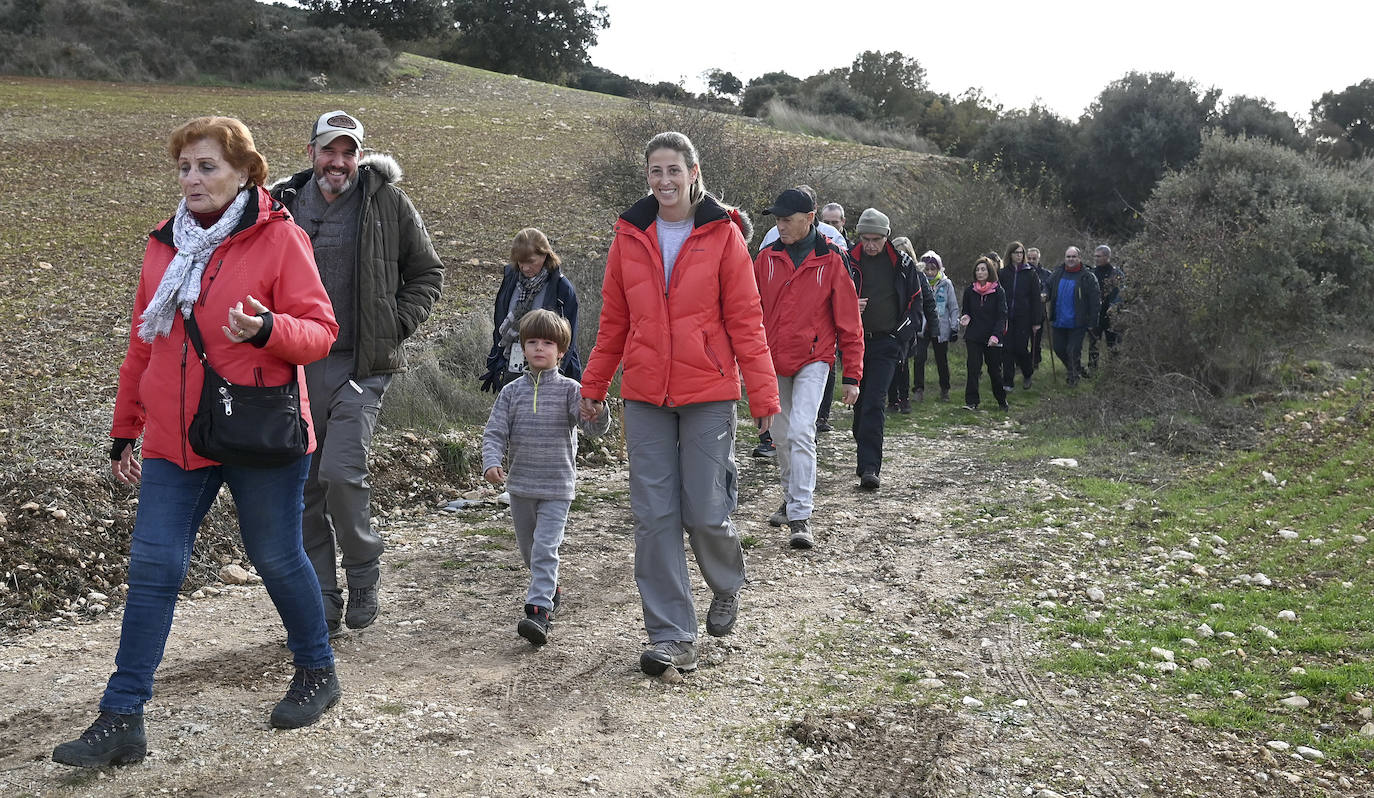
x=491, y=381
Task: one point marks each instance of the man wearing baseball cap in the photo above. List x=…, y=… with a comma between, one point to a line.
x=383, y=276
x=809, y=306
x=896, y=304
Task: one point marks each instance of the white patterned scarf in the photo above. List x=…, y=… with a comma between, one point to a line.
x=180, y=286
x=524, y=300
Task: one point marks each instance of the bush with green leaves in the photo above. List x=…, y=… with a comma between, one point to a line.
x=1248, y=253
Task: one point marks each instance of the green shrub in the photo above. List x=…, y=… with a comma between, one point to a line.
x=1248, y=254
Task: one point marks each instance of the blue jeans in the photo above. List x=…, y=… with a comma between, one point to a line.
x=171, y=504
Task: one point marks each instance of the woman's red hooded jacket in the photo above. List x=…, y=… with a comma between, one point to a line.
x=688, y=341
x=267, y=256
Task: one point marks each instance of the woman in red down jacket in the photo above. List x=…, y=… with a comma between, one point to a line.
x=680, y=311
x=231, y=255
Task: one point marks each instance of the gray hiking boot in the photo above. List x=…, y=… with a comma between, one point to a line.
x=362, y=606
x=112, y=740
x=720, y=618
x=780, y=517
x=801, y=537
x=680, y=654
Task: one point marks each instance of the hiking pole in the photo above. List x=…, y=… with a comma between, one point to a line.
x=1054, y=373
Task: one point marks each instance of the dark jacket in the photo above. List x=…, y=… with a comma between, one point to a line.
x=559, y=297
x=1087, y=297
x=1022, y=289
x=1109, y=279
x=398, y=274
x=987, y=315
x=913, y=293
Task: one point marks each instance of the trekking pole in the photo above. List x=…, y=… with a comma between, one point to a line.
x=1054, y=373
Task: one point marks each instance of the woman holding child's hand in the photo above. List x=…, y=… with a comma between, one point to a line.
x=680, y=311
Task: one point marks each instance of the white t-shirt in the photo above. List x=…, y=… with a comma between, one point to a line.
x=671, y=237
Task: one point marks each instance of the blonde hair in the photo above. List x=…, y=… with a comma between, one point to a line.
x=234, y=139
x=530, y=242
x=904, y=244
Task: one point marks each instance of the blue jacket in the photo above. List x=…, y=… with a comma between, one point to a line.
x=559, y=296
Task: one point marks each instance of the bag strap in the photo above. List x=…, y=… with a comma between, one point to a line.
x=193, y=331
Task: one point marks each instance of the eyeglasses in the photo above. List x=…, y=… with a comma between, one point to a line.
x=1018, y=252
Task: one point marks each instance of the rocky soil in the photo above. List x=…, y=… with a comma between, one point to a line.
x=887, y=661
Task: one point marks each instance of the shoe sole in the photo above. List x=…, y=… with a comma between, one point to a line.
x=656, y=667
x=312, y=721
x=532, y=632
x=351, y=625
x=720, y=631
x=128, y=755
x=799, y=542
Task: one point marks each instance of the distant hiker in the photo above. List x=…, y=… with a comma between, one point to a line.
x=835, y=236
x=939, y=337
x=899, y=391
x=832, y=213
x=533, y=426
x=231, y=255
x=809, y=308
x=532, y=280
x=1109, y=280
x=1074, y=304
x=681, y=312
x=1033, y=258
x=1025, y=315
x=383, y=277
x=985, y=327
x=895, y=303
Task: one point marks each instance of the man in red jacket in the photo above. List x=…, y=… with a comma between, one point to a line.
x=809, y=304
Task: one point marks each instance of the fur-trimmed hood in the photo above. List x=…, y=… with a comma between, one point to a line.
x=383, y=166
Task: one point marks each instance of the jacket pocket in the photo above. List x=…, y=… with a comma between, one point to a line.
x=711, y=353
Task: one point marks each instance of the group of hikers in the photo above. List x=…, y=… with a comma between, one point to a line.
x=321, y=277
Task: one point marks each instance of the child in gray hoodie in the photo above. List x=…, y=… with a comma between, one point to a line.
x=533, y=426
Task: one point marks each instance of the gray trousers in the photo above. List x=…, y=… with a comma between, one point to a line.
x=539, y=527
x=338, y=493
x=794, y=435
x=682, y=477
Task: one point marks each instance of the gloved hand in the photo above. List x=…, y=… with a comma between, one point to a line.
x=953, y=336
x=491, y=382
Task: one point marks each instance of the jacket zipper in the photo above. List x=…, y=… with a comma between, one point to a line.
x=185, y=459
x=711, y=353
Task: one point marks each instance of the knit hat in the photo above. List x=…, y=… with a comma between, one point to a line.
x=932, y=256
x=873, y=220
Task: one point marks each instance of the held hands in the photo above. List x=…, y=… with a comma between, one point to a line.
x=851, y=395
x=763, y=423
x=495, y=475
x=863, y=303
x=590, y=409
x=964, y=320
x=994, y=341
x=242, y=326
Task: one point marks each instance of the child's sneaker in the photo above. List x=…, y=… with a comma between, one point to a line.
x=535, y=626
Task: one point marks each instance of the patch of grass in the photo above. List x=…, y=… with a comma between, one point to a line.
x=1257, y=561
x=391, y=708
x=452, y=565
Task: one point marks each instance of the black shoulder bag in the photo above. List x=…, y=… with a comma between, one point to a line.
x=246, y=425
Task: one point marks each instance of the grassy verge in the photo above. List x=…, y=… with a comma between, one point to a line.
x=1235, y=588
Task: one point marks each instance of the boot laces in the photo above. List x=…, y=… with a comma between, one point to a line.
x=305, y=684
x=108, y=723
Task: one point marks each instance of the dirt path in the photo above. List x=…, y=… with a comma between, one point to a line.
x=847, y=674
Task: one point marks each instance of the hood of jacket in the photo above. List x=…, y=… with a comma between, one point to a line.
x=386, y=169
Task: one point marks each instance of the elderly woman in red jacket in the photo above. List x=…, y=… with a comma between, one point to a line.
x=232, y=257
x=680, y=311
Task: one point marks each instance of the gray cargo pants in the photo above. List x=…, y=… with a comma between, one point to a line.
x=682, y=477
x=344, y=413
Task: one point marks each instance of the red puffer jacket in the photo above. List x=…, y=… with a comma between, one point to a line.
x=807, y=307
x=266, y=256
x=687, y=342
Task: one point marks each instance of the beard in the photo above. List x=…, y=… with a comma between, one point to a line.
x=327, y=187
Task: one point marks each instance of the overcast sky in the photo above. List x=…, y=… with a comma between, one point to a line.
x=1059, y=53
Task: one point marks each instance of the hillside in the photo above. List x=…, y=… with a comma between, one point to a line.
x=85, y=163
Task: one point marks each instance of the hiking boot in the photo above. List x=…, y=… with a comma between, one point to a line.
x=1026, y=383
x=780, y=517
x=1003, y=406
x=534, y=627
x=312, y=691
x=944, y=394
x=904, y=407
x=112, y=740
x=801, y=537
x=918, y=395
x=868, y=480
x=680, y=654
x=362, y=606
x=557, y=599
x=720, y=618
x=892, y=407
x=823, y=425
x=765, y=448
x=970, y=407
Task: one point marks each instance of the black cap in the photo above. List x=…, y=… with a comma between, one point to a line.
x=791, y=201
